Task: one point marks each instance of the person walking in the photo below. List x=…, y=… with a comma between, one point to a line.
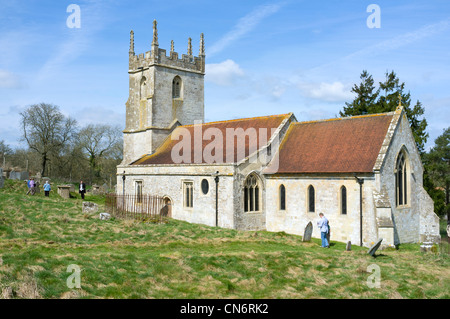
x=47, y=188
x=32, y=186
x=29, y=187
x=322, y=224
x=82, y=189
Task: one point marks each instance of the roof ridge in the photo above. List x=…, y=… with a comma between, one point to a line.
x=346, y=118
x=241, y=119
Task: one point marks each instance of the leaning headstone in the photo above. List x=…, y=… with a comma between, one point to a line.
x=348, y=247
x=89, y=207
x=375, y=247
x=308, y=232
x=105, y=216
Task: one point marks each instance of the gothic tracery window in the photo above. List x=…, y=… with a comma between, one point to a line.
x=401, y=180
x=251, y=194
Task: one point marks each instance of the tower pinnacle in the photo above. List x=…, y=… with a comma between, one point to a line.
x=155, y=33
x=131, y=52
x=189, y=50
x=202, y=45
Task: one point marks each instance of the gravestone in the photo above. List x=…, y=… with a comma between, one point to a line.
x=89, y=207
x=95, y=189
x=2, y=180
x=348, y=247
x=426, y=246
x=105, y=216
x=375, y=247
x=37, y=189
x=64, y=191
x=19, y=175
x=308, y=232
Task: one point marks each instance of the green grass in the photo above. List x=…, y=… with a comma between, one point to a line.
x=40, y=237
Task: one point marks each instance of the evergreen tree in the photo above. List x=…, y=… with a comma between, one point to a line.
x=365, y=97
x=437, y=164
x=386, y=99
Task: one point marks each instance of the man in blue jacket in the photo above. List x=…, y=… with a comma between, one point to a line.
x=322, y=224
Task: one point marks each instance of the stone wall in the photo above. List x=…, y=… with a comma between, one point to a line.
x=167, y=181
x=327, y=201
x=406, y=218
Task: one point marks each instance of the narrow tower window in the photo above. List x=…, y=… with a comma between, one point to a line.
x=176, y=87
x=143, y=88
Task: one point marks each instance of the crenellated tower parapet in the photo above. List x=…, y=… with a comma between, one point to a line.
x=157, y=56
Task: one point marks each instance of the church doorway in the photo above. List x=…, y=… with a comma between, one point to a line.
x=166, y=211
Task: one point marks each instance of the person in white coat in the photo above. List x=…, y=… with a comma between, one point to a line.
x=322, y=224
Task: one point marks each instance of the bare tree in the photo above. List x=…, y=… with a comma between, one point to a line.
x=99, y=141
x=46, y=130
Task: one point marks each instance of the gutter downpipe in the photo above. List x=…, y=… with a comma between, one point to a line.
x=360, y=182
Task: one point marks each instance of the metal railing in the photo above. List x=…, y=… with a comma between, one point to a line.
x=141, y=207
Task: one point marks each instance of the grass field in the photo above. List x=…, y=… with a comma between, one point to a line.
x=40, y=237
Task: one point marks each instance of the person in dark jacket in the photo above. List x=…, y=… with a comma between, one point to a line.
x=82, y=189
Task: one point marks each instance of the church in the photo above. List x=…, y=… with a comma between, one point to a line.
x=364, y=173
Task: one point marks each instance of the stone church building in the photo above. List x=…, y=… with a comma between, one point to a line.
x=268, y=173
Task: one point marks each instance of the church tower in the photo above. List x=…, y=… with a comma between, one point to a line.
x=165, y=91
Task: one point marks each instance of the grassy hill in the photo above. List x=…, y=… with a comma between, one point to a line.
x=40, y=237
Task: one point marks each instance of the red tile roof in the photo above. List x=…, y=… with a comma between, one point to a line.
x=257, y=125
x=342, y=145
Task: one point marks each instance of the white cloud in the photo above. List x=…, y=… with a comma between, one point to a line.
x=225, y=73
x=244, y=25
x=330, y=92
x=9, y=80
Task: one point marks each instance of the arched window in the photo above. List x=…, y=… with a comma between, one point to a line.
x=401, y=180
x=311, y=199
x=176, y=87
x=343, y=200
x=282, y=197
x=251, y=194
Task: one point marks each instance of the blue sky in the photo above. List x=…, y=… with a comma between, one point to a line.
x=263, y=57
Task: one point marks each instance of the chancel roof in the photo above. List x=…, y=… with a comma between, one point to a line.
x=341, y=145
